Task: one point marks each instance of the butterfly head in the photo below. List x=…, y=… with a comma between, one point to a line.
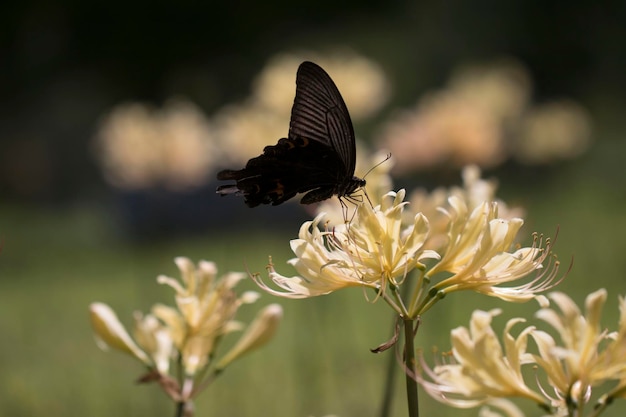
x=355, y=183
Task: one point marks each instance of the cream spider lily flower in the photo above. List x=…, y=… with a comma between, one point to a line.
x=474, y=192
x=372, y=251
x=205, y=310
x=110, y=332
x=187, y=337
x=583, y=358
x=377, y=249
x=588, y=354
x=477, y=254
x=482, y=368
x=258, y=333
x=152, y=344
x=155, y=339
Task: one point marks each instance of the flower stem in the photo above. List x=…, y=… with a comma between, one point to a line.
x=180, y=409
x=185, y=408
x=410, y=369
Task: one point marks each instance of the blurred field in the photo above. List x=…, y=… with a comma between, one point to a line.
x=56, y=260
x=72, y=231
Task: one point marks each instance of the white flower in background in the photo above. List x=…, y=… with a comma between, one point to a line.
x=483, y=117
x=189, y=148
x=474, y=192
x=553, y=131
x=128, y=147
x=361, y=82
x=502, y=87
x=443, y=128
x=139, y=147
x=461, y=124
x=245, y=129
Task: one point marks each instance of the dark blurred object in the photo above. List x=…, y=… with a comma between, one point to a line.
x=159, y=213
x=64, y=64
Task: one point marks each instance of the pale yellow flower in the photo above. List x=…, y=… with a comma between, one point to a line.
x=187, y=337
x=127, y=148
x=205, y=310
x=553, y=131
x=258, y=333
x=155, y=340
x=461, y=124
x=371, y=251
x=244, y=129
x=189, y=149
x=110, y=332
x=377, y=247
x=362, y=83
x=477, y=254
x=618, y=349
x=501, y=87
x=587, y=355
x=483, y=369
x=141, y=147
x=474, y=192
x=505, y=408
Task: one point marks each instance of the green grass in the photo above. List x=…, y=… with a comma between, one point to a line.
x=56, y=261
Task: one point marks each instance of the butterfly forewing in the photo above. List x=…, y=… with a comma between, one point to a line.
x=319, y=113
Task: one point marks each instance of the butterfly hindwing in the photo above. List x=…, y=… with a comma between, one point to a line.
x=283, y=170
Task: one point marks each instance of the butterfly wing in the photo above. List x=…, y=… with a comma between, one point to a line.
x=291, y=166
x=317, y=157
x=320, y=114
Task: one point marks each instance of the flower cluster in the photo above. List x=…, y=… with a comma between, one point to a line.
x=381, y=245
x=173, y=147
x=568, y=368
x=342, y=257
x=190, y=333
x=435, y=205
x=485, y=116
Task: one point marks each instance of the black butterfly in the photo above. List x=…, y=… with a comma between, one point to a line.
x=317, y=157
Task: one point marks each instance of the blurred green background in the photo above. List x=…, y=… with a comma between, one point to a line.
x=70, y=239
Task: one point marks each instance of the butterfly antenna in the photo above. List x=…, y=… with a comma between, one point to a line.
x=388, y=157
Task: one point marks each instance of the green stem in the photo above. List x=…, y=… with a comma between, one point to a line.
x=180, y=409
x=417, y=293
x=409, y=361
x=385, y=409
